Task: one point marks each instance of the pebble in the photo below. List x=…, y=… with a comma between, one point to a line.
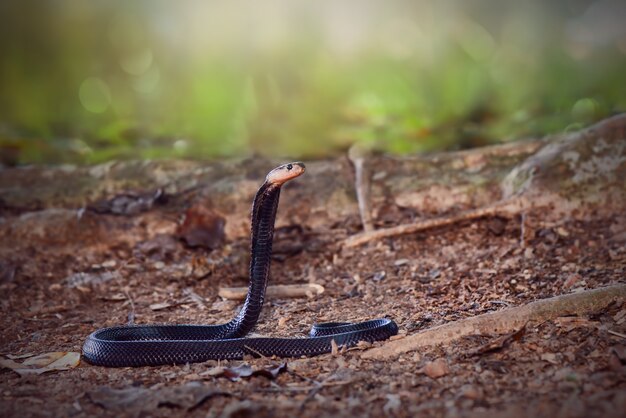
x=436, y=369
x=109, y=264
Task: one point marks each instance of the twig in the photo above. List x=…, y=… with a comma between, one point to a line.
x=358, y=155
x=504, y=321
x=522, y=234
x=275, y=291
x=131, y=314
x=617, y=334
x=505, y=207
x=254, y=351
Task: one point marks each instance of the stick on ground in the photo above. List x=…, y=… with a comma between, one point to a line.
x=504, y=321
x=507, y=207
x=275, y=291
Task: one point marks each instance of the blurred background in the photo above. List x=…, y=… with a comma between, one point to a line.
x=89, y=81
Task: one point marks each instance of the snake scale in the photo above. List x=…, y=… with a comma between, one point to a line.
x=152, y=345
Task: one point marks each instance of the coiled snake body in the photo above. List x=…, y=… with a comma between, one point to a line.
x=151, y=345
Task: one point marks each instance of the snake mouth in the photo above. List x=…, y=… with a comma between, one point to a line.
x=285, y=172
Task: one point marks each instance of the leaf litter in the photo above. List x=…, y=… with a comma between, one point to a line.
x=475, y=270
x=43, y=363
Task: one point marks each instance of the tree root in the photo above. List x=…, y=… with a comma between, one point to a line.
x=507, y=207
x=504, y=321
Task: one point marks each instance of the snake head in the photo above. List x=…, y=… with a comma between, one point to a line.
x=284, y=173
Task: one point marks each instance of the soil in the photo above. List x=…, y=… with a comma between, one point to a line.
x=573, y=366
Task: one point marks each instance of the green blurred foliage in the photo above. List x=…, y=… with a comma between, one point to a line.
x=86, y=82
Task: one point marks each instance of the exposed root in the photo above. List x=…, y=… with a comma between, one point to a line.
x=504, y=321
x=503, y=208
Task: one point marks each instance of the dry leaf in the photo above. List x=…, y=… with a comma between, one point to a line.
x=43, y=359
x=90, y=279
x=160, y=306
x=499, y=343
x=54, y=361
x=245, y=370
x=129, y=203
x=549, y=357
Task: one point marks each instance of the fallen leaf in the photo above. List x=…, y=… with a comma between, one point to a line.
x=161, y=305
x=549, y=357
x=245, y=370
x=43, y=359
x=10, y=364
x=436, y=369
x=90, y=279
x=236, y=373
x=129, y=203
x=48, y=362
x=334, y=348
x=19, y=356
x=571, y=280
x=498, y=343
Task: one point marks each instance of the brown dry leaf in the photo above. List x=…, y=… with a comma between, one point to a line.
x=161, y=305
x=549, y=357
x=48, y=362
x=498, y=343
x=245, y=370
x=129, y=203
x=84, y=279
x=19, y=356
x=334, y=348
x=43, y=359
x=571, y=280
x=436, y=369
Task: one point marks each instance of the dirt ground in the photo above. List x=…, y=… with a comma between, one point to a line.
x=570, y=367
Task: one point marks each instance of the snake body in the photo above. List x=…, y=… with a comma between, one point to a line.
x=151, y=345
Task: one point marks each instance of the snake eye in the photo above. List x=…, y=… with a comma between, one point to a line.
x=289, y=166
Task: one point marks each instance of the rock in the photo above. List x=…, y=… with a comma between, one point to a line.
x=436, y=369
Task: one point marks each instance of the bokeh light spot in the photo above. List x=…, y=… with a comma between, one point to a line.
x=148, y=81
x=584, y=109
x=138, y=62
x=94, y=95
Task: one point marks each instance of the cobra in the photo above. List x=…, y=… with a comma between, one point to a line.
x=151, y=345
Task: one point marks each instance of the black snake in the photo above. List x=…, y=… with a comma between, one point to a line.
x=151, y=345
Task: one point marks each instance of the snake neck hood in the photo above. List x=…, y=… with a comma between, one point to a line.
x=263, y=217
